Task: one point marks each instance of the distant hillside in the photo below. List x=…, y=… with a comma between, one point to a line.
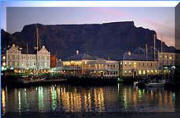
x=108, y=40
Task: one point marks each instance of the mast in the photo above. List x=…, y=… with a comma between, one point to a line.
x=161, y=44
x=27, y=48
x=37, y=46
x=154, y=46
x=146, y=52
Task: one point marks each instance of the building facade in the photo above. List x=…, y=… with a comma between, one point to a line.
x=86, y=65
x=16, y=60
x=53, y=61
x=166, y=59
x=138, y=68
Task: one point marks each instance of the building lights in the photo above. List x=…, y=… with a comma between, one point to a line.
x=4, y=64
x=144, y=72
x=4, y=57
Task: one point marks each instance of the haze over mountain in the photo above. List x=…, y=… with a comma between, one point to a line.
x=107, y=40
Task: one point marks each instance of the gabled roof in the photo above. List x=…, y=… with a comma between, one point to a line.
x=137, y=57
x=82, y=57
x=43, y=50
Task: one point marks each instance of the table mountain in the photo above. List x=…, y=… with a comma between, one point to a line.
x=107, y=40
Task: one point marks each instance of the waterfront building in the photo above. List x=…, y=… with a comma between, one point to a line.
x=53, y=61
x=166, y=59
x=86, y=65
x=138, y=64
x=16, y=60
x=139, y=68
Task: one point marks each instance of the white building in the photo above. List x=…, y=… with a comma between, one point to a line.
x=15, y=59
x=139, y=68
x=84, y=64
x=166, y=59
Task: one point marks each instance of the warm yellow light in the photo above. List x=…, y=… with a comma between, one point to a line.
x=140, y=72
x=135, y=64
x=4, y=57
x=4, y=63
x=144, y=72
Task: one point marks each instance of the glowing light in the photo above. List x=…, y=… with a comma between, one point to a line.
x=4, y=63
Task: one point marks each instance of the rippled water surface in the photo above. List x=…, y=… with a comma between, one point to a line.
x=66, y=98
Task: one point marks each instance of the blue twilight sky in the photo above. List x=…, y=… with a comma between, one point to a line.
x=161, y=19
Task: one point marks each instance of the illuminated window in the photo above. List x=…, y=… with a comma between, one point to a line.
x=4, y=63
x=144, y=72
x=125, y=63
x=4, y=57
x=170, y=58
x=140, y=72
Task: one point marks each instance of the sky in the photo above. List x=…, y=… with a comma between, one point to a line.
x=160, y=19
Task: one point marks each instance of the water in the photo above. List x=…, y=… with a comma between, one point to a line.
x=66, y=98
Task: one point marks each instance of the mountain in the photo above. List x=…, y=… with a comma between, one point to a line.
x=107, y=40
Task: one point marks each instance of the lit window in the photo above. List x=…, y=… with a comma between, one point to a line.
x=4, y=57
x=140, y=72
x=144, y=72
x=4, y=63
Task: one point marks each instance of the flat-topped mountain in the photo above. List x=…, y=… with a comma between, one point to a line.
x=107, y=40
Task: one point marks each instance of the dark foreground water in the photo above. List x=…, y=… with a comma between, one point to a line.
x=66, y=98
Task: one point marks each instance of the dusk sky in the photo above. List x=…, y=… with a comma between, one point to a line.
x=161, y=19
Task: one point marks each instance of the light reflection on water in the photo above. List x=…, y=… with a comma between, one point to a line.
x=88, y=99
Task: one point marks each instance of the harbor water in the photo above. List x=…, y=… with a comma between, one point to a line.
x=68, y=98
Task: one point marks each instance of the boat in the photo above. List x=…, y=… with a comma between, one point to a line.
x=156, y=84
x=150, y=84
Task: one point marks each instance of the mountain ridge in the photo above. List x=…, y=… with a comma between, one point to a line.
x=106, y=40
